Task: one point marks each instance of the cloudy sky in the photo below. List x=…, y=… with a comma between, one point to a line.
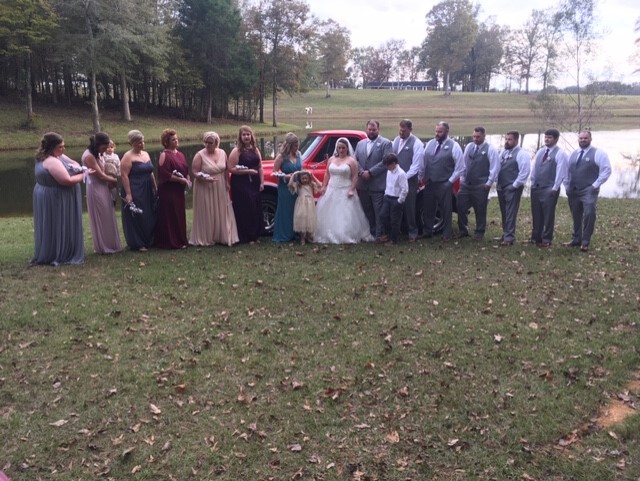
x=372, y=22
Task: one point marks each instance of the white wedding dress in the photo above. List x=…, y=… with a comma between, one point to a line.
x=341, y=219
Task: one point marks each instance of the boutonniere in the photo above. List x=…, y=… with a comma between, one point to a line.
x=406, y=147
x=446, y=147
x=483, y=152
x=587, y=159
x=377, y=144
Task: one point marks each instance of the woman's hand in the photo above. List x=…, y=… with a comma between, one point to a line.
x=350, y=193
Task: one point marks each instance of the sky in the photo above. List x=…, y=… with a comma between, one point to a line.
x=372, y=22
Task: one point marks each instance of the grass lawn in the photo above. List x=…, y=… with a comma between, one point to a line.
x=444, y=361
x=346, y=108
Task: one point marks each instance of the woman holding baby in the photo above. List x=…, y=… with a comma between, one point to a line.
x=100, y=205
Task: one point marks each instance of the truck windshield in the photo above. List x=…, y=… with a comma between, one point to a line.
x=308, y=146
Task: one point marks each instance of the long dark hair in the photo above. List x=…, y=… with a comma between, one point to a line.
x=49, y=142
x=95, y=141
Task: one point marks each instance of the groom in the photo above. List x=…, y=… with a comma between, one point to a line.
x=372, y=176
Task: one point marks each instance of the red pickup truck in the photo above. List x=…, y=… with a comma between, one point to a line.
x=315, y=150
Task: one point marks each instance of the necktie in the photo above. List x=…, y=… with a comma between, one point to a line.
x=546, y=156
x=369, y=145
x=475, y=151
x=438, y=148
x=579, y=161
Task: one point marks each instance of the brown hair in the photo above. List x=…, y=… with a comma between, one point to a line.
x=240, y=144
x=165, y=136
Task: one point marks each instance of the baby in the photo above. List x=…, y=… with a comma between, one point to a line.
x=112, y=167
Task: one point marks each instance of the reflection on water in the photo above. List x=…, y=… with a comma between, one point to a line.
x=623, y=147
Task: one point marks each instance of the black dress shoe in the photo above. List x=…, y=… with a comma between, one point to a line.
x=572, y=244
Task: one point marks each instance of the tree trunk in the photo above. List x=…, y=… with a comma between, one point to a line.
x=95, y=113
x=274, y=90
x=124, y=94
x=447, y=87
x=210, y=104
x=327, y=95
x=27, y=90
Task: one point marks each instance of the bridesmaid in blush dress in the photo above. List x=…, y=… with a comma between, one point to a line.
x=102, y=214
x=213, y=219
x=247, y=182
x=173, y=179
x=139, y=191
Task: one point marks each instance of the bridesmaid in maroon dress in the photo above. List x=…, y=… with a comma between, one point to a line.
x=173, y=179
x=247, y=182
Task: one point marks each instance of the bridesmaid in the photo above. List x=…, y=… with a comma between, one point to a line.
x=173, y=179
x=100, y=205
x=138, y=194
x=247, y=182
x=213, y=218
x=287, y=162
x=57, y=205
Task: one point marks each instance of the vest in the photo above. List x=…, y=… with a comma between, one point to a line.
x=477, y=166
x=405, y=156
x=438, y=168
x=588, y=172
x=509, y=167
x=545, y=171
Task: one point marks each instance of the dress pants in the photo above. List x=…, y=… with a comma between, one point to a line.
x=543, y=213
x=583, y=210
x=409, y=209
x=371, y=202
x=476, y=196
x=509, y=199
x=438, y=194
x=392, y=217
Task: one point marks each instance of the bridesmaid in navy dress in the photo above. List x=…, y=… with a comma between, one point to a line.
x=139, y=191
x=247, y=182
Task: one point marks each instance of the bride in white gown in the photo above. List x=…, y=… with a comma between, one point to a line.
x=341, y=219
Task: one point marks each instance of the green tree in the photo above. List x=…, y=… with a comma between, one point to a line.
x=25, y=24
x=484, y=58
x=210, y=32
x=451, y=32
x=527, y=46
x=286, y=34
x=334, y=46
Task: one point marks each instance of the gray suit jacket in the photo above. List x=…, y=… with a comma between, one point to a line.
x=373, y=163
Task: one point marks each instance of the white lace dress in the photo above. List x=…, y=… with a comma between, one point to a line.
x=341, y=219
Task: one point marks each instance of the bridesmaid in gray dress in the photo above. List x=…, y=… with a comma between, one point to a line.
x=57, y=205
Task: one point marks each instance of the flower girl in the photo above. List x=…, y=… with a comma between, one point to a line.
x=305, y=185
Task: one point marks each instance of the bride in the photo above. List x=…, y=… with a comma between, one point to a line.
x=341, y=219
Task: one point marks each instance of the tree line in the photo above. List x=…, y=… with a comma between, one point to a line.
x=202, y=59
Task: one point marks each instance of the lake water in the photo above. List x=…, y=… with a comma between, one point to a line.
x=17, y=168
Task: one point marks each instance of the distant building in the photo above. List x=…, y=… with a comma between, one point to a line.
x=401, y=85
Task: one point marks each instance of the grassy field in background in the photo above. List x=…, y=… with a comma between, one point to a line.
x=429, y=361
x=346, y=108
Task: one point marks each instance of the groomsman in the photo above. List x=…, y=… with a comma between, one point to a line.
x=481, y=168
x=548, y=171
x=372, y=175
x=410, y=151
x=443, y=164
x=515, y=165
x=588, y=169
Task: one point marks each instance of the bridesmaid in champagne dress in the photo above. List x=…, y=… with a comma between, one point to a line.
x=213, y=219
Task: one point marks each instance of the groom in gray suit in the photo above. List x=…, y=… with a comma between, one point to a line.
x=372, y=176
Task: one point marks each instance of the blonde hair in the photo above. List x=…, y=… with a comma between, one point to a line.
x=134, y=136
x=211, y=136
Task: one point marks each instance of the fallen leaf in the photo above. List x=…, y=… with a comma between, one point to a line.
x=393, y=437
x=452, y=442
x=60, y=422
x=296, y=448
x=154, y=409
x=136, y=469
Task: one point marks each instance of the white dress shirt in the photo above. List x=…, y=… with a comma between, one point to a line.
x=397, y=185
